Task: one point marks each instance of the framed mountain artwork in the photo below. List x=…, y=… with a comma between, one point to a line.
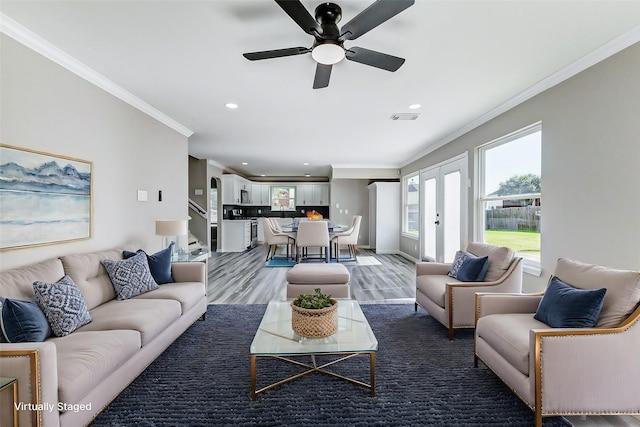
x=44, y=198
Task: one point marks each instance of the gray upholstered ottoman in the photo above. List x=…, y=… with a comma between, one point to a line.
x=332, y=279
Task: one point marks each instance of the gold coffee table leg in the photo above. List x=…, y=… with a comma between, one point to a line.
x=253, y=377
x=372, y=373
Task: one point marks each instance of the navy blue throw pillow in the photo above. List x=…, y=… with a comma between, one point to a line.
x=23, y=321
x=159, y=264
x=563, y=306
x=473, y=269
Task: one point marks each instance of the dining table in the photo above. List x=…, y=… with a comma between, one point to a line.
x=293, y=228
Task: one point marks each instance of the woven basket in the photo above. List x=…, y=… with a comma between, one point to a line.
x=315, y=323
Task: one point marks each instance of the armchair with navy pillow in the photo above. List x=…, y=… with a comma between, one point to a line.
x=573, y=350
x=447, y=290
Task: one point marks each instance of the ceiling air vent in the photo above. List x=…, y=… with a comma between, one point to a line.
x=405, y=116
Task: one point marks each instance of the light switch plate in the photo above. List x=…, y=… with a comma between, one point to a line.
x=142, y=195
x=198, y=192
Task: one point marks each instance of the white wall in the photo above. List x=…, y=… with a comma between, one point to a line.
x=590, y=165
x=47, y=108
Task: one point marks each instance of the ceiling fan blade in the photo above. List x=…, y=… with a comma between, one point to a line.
x=300, y=15
x=373, y=58
x=323, y=73
x=278, y=53
x=371, y=17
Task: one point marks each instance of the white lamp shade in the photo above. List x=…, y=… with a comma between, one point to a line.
x=172, y=227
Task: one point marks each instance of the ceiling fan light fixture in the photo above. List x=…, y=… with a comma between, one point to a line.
x=328, y=53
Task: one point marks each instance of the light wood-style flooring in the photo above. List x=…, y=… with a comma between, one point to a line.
x=243, y=278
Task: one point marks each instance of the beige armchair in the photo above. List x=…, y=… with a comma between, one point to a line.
x=312, y=234
x=274, y=238
x=348, y=237
x=452, y=302
x=566, y=371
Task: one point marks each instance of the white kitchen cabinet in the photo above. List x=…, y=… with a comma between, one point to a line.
x=236, y=235
x=384, y=217
x=304, y=194
x=231, y=188
x=312, y=194
x=260, y=194
x=320, y=194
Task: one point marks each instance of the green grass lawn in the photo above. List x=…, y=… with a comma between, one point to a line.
x=519, y=241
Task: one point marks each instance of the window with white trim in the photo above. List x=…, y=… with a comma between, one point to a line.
x=411, y=207
x=283, y=198
x=509, y=194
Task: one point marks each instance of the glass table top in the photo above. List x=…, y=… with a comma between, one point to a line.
x=275, y=336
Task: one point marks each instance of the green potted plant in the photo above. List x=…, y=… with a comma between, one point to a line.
x=314, y=315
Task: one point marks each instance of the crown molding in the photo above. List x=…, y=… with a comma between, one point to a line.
x=216, y=164
x=614, y=46
x=36, y=43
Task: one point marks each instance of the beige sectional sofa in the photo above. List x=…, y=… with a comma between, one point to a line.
x=68, y=380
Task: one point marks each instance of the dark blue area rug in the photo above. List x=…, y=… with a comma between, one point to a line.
x=422, y=378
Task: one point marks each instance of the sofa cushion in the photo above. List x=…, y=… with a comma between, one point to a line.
x=22, y=321
x=508, y=335
x=623, y=287
x=86, y=358
x=473, y=269
x=18, y=282
x=130, y=277
x=148, y=316
x=188, y=294
x=564, y=306
x=89, y=274
x=500, y=258
x=434, y=287
x=159, y=264
x=62, y=304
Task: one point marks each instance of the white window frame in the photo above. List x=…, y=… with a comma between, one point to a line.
x=292, y=197
x=532, y=267
x=405, y=206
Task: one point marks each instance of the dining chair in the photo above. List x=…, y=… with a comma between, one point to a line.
x=275, y=225
x=348, y=237
x=312, y=234
x=275, y=238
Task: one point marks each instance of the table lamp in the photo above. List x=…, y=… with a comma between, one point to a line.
x=171, y=229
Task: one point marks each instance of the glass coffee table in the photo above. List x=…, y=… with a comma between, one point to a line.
x=276, y=339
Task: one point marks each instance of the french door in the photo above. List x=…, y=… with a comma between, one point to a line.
x=444, y=209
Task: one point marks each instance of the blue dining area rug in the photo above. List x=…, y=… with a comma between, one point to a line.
x=280, y=262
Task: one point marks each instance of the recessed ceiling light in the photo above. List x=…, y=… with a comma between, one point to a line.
x=231, y=105
x=244, y=163
x=307, y=175
x=306, y=163
x=414, y=106
x=262, y=174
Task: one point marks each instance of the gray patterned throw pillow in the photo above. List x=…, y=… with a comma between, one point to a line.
x=63, y=305
x=130, y=277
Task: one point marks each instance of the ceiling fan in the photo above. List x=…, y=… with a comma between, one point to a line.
x=328, y=47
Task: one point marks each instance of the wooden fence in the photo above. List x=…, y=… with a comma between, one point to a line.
x=516, y=218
